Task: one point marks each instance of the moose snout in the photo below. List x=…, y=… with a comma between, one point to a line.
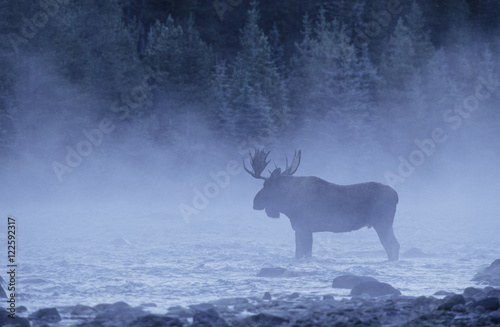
x=257, y=205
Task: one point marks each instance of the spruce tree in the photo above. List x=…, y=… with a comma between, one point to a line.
x=339, y=80
x=257, y=94
x=182, y=56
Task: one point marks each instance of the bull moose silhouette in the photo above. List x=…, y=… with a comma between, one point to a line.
x=315, y=205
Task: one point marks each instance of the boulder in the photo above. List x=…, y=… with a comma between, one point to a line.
x=263, y=320
x=489, y=275
x=451, y=301
x=5, y=320
x=474, y=293
x=49, y=315
x=152, y=320
x=374, y=289
x=83, y=311
x=489, y=303
x=118, y=314
x=349, y=281
x=209, y=318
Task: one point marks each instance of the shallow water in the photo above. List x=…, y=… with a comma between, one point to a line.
x=101, y=258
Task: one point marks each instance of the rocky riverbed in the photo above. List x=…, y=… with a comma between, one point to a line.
x=473, y=307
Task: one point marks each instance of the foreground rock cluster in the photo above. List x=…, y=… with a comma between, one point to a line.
x=475, y=307
x=372, y=303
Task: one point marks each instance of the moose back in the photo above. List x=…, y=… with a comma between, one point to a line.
x=315, y=205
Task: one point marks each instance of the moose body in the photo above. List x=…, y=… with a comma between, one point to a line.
x=315, y=205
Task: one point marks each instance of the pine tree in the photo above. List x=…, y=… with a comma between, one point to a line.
x=94, y=48
x=257, y=94
x=409, y=50
x=181, y=54
x=418, y=36
x=339, y=80
x=7, y=129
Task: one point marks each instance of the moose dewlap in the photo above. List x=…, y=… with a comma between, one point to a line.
x=315, y=205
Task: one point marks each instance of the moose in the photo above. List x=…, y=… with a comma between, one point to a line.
x=315, y=205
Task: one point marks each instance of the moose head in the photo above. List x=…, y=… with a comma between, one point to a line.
x=272, y=195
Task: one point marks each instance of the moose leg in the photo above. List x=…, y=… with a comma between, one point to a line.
x=388, y=240
x=303, y=244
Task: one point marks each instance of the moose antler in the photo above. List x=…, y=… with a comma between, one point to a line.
x=258, y=162
x=290, y=170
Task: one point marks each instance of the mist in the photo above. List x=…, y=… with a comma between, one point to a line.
x=114, y=148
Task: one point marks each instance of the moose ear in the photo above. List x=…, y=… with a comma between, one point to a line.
x=276, y=172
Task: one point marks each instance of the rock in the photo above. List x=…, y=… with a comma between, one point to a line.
x=474, y=293
x=349, y=281
x=50, y=315
x=231, y=301
x=83, y=311
x=5, y=320
x=180, y=312
x=415, y=253
x=118, y=314
x=374, y=289
x=267, y=296
x=21, y=309
x=451, y=301
x=202, y=306
x=493, y=292
x=263, y=320
x=156, y=321
x=101, y=307
x=293, y=296
x=489, y=275
x=445, y=293
x=458, y=308
x=209, y=318
x=489, y=303
x=271, y=272
x=328, y=297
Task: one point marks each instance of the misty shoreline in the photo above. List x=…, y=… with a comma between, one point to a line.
x=475, y=306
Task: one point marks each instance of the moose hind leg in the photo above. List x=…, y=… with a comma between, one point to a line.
x=303, y=244
x=389, y=241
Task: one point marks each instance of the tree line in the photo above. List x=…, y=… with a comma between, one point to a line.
x=343, y=71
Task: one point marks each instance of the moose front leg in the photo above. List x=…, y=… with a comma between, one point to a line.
x=303, y=244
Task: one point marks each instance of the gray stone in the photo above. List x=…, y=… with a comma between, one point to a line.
x=451, y=301
x=208, y=318
x=263, y=320
x=83, y=311
x=489, y=303
x=374, y=289
x=50, y=315
x=349, y=281
x=489, y=275
x=156, y=321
